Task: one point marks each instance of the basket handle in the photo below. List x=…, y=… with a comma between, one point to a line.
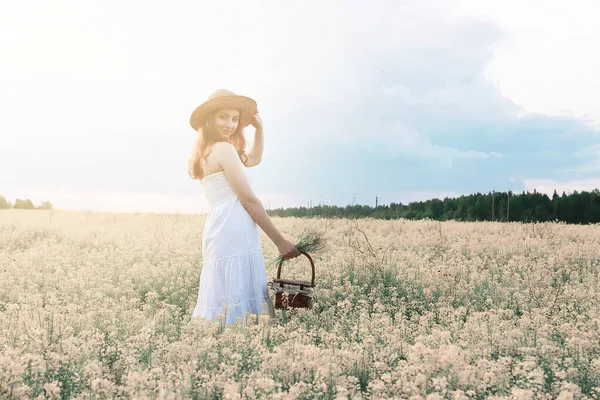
x=312, y=264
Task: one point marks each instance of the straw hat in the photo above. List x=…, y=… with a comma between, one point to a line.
x=224, y=99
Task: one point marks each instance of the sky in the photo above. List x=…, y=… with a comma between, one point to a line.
x=399, y=100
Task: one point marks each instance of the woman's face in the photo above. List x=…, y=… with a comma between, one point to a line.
x=226, y=122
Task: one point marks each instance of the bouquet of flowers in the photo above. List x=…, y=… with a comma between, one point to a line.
x=309, y=241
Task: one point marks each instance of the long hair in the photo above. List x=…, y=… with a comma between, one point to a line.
x=204, y=141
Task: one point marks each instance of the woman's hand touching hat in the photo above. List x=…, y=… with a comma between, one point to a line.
x=256, y=121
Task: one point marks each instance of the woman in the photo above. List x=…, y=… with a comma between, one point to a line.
x=233, y=281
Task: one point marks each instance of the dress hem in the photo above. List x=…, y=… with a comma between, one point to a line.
x=249, y=302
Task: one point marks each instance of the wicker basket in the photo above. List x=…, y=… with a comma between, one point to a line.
x=293, y=293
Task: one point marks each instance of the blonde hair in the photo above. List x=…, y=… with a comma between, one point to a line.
x=203, y=144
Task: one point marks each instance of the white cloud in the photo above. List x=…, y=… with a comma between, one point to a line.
x=98, y=93
x=548, y=186
x=395, y=137
x=547, y=62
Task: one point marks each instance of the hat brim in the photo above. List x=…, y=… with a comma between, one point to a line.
x=246, y=105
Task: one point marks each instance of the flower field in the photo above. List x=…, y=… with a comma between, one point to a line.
x=98, y=306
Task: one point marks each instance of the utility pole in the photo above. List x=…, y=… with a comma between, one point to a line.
x=376, y=201
x=493, y=195
x=508, y=208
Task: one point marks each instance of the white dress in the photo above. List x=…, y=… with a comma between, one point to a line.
x=233, y=271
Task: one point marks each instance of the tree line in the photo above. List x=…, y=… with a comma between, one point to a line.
x=576, y=208
x=24, y=204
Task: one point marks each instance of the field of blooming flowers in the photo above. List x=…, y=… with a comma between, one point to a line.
x=96, y=306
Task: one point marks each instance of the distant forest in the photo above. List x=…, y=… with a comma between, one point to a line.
x=24, y=204
x=575, y=208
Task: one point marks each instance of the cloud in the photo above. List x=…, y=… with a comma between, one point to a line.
x=548, y=186
x=408, y=105
x=357, y=101
x=589, y=158
x=548, y=70
x=413, y=107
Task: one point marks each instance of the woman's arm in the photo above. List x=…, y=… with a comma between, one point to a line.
x=229, y=160
x=256, y=148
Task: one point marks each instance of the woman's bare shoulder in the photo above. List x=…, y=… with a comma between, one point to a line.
x=223, y=145
x=220, y=152
x=224, y=150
